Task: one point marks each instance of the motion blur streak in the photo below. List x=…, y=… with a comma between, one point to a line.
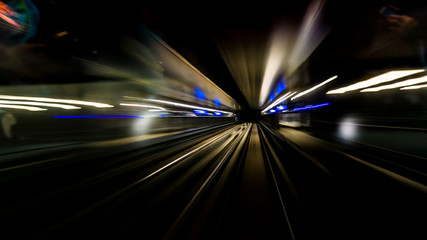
x=6, y=13
x=386, y=77
x=100, y=116
x=175, y=227
x=378, y=165
x=397, y=85
x=244, y=63
x=414, y=87
x=400, y=178
x=314, y=88
x=41, y=104
x=22, y=107
x=168, y=120
x=311, y=33
x=185, y=105
x=276, y=181
x=188, y=64
x=142, y=105
x=279, y=100
x=279, y=47
x=286, y=51
x=42, y=99
x=392, y=174
x=184, y=156
x=312, y=106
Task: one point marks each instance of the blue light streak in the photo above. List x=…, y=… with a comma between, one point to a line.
x=200, y=112
x=272, y=96
x=272, y=110
x=218, y=113
x=311, y=106
x=280, y=87
x=100, y=116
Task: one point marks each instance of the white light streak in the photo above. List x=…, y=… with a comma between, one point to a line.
x=386, y=77
x=397, y=85
x=274, y=63
x=142, y=105
x=22, y=107
x=281, y=99
x=70, y=101
x=311, y=33
x=40, y=104
x=182, y=157
x=314, y=88
x=186, y=105
x=414, y=87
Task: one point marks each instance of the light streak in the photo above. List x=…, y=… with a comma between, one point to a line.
x=70, y=101
x=6, y=13
x=414, y=87
x=314, y=88
x=22, y=107
x=311, y=106
x=100, y=116
x=386, y=77
x=186, y=105
x=281, y=99
x=274, y=63
x=142, y=105
x=61, y=34
x=397, y=85
x=40, y=104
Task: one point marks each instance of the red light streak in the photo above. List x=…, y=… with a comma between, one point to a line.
x=6, y=13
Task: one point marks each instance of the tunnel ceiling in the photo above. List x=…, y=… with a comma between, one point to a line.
x=232, y=42
x=227, y=41
x=240, y=45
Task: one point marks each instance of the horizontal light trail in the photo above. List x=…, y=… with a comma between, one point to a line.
x=22, y=107
x=141, y=105
x=414, y=87
x=397, y=85
x=386, y=77
x=63, y=106
x=311, y=106
x=185, y=105
x=100, y=116
x=43, y=99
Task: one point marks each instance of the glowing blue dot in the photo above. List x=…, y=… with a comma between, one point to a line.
x=199, y=94
x=217, y=102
